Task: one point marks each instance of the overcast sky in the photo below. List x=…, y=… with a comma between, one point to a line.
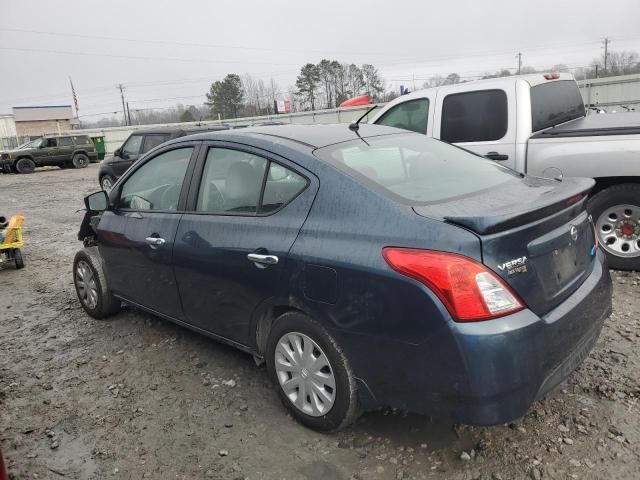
x=168, y=52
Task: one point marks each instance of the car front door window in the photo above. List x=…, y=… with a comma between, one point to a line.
x=156, y=185
x=152, y=141
x=410, y=115
x=132, y=147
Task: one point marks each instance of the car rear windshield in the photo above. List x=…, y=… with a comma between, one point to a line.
x=554, y=103
x=414, y=169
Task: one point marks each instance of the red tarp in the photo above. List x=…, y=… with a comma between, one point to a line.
x=357, y=101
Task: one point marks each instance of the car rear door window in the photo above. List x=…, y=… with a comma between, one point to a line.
x=231, y=182
x=410, y=115
x=132, y=146
x=479, y=116
x=65, y=142
x=156, y=185
x=152, y=141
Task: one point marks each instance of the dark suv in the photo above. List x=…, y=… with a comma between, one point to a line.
x=139, y=143
x=63, y=151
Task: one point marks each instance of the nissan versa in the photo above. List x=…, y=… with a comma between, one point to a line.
x=366, y=265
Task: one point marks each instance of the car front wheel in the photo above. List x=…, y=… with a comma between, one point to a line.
x=616, y=214
x=311, y=373
x=91, y=284
x=106, y=182
x=25, y=165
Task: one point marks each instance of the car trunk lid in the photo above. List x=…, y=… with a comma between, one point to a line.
x=535, y=234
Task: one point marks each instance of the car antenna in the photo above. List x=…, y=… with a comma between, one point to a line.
x=355, y=126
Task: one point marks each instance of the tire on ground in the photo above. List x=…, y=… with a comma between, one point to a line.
x=625, y=193
x=17, y=258
x=107, y=304
x=25, y=165
x=80, y=160
x=108, y=178
x=346, y=408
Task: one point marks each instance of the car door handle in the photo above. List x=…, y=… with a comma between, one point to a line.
x=262, y=260
x=154, y=242
x=497, y=156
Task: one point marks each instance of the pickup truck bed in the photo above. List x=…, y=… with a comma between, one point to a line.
x=596, y=125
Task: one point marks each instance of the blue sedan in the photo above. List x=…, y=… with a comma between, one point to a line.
x=367, y=266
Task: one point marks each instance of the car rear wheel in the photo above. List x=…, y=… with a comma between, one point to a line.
x=106, y=182
x=25, y=165
x=311, y=372
x=91, y=284
x=616, y=213
x=80, y=160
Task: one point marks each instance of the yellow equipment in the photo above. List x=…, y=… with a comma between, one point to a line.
x=11, y=241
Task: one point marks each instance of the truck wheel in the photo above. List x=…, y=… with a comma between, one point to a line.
x=311, y=373
x=91, y=284
x=616, y=213
x=80, y=160
x=17, y=258
x=25, y=165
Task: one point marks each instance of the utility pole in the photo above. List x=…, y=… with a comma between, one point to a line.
x=606, y=54
x=128, y=114
x=519, y=57
x=124, y=108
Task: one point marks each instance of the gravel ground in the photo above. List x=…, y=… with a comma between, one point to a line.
x=138, y=397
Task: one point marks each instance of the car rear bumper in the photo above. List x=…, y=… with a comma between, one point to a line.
x=512, y=361
x=487, y=373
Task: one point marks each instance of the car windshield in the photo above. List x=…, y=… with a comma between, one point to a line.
x=32, y=144
x=414, y=169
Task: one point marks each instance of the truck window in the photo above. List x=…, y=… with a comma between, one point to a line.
x=474, y=116
x=411, y=115
x=65, y=142
x=554, y=103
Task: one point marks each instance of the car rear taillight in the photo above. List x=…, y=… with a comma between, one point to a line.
x=551, y=76
x=470, y=291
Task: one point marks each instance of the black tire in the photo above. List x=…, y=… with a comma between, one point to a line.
x=25, y=165
x=623, y=194
x=80, y=160
x=345, y=409
x=107, y=178
x=17, y=258
x=106, y=304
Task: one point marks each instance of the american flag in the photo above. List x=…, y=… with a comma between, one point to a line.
x=75, y=98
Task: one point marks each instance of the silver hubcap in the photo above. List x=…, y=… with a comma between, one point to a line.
x=305, y=374
x=86, y=283
x=106, y=184
x=619, y=230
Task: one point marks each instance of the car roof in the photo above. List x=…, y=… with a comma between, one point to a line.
x=181, y=130
x=315, y=136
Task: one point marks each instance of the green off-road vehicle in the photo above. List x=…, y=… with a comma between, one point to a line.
x=64, y=151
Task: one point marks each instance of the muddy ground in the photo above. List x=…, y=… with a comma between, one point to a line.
x=138, y=397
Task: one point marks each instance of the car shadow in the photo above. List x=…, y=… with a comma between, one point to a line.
x=398, y=429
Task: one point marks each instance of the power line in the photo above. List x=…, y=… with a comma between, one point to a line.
x=138, y=57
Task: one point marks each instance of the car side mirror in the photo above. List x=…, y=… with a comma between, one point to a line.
x=43, y=145
x=117, y=152
x=97, y=202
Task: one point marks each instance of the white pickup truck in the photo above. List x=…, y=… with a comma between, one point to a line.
x=536, y=124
